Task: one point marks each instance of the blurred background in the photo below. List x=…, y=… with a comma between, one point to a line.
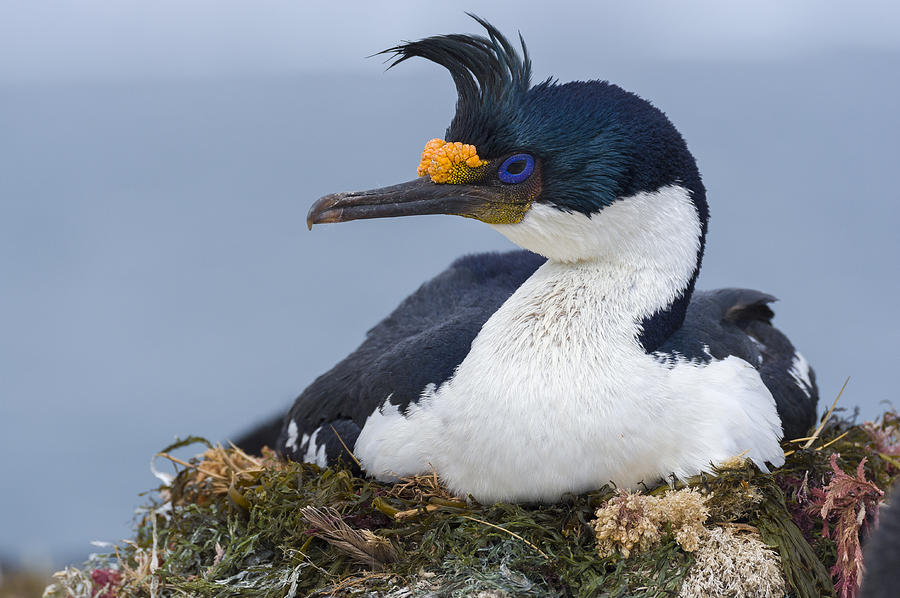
x=157, y=161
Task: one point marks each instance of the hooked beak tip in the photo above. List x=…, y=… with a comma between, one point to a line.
x=324, y=210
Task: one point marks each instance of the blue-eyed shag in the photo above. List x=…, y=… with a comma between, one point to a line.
x=585, y=358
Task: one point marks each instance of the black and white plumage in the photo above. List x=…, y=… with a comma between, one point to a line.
x=586, y=359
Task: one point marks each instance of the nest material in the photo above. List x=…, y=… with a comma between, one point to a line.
x=231, y=524
x=731, y=563
x=628, y=521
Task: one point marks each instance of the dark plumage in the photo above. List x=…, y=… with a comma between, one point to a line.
x=491, y=81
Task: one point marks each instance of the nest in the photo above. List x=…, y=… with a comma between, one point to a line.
x=233, y=524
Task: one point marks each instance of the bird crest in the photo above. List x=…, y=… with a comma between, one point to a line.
x=491, y=78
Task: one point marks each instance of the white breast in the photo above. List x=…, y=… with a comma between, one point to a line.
x=556, y=394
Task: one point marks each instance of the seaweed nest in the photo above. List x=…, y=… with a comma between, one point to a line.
x=232, y=524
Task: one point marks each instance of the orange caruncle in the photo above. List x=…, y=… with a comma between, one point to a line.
x=449, y=162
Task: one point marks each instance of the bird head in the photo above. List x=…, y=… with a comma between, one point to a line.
x=537, y=162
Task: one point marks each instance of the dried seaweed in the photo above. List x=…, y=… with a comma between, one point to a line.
x=847, y=505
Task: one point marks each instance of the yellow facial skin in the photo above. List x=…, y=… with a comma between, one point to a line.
x=457, y=163
x=454, y=163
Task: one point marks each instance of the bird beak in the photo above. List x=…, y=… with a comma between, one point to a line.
x=419, y=196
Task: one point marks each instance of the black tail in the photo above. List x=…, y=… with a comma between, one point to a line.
x=796, y=395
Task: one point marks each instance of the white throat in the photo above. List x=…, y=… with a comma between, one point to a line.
x=647, y=244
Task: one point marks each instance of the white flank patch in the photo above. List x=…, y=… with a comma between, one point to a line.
x=556, y=394
x=292, y=436
x=314, y=454
x=379, y=426
x=800, y=373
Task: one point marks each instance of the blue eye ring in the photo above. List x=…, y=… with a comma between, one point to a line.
x=516, y=177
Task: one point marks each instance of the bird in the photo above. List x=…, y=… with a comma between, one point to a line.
x=584, y=358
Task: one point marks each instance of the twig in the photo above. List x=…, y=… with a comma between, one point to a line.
x=191, y=466
x=240, y=452
x=416, y=511
x=830, y=442
x=349, y=452
x=825, y=419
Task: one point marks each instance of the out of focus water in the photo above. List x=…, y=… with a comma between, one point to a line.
x=158, y=279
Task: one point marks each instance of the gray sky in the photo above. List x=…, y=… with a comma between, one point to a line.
x=157, y=161
x=89, y=39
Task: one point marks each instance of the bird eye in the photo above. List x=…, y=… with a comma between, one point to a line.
x=516, y=168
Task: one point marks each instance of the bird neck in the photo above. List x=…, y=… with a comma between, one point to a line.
x=636, y=261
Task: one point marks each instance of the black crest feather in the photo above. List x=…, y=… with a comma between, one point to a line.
x=491, y=77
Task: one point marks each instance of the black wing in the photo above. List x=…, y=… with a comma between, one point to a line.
x=738, y=322
x=420, y=343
